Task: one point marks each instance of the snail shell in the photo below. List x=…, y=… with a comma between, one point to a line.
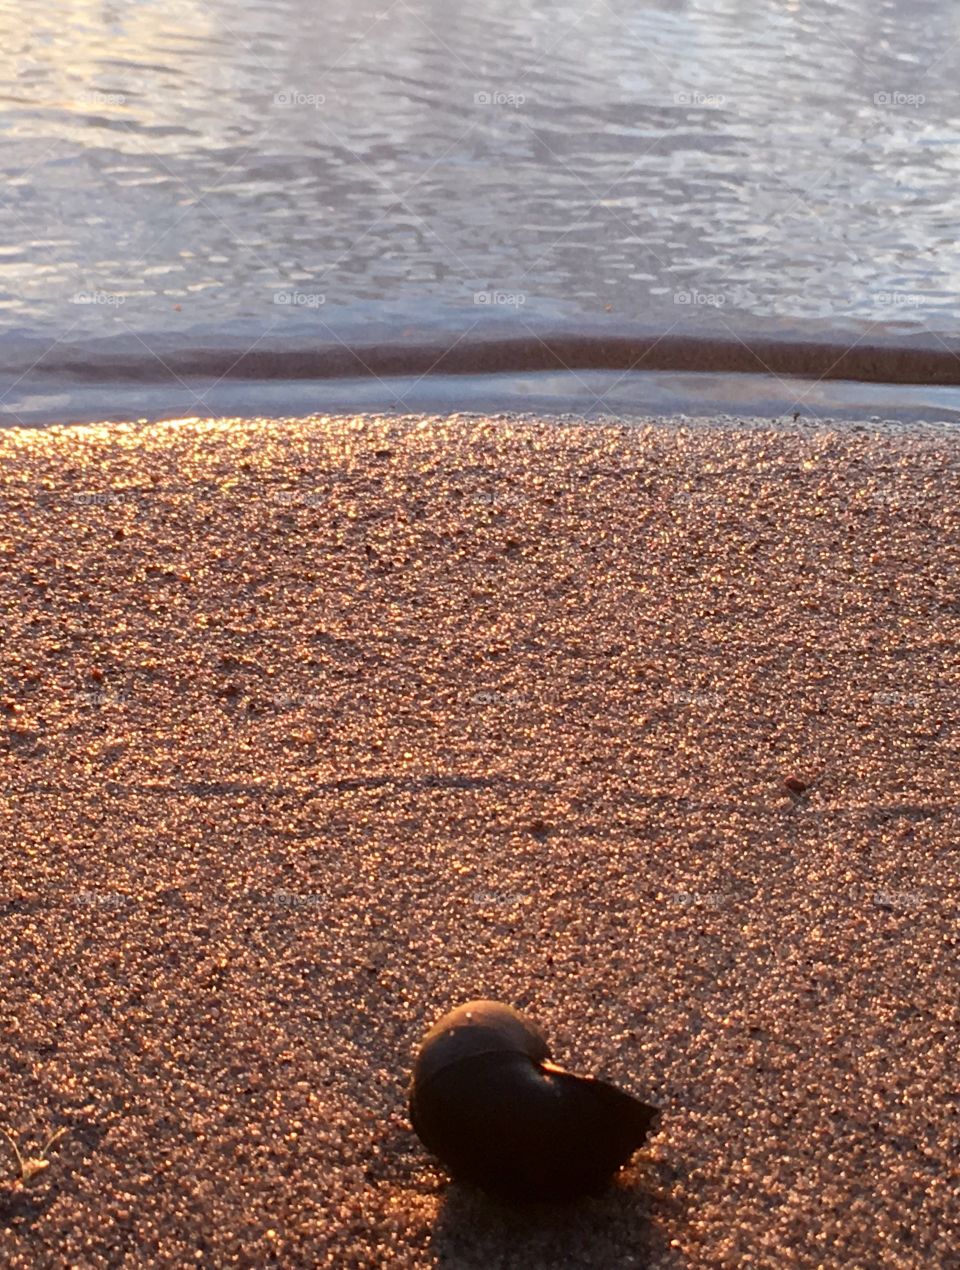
x=488, y=1102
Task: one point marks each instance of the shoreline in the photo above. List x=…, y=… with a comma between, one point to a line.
x=313, y=728
x=676, y=362
x=944, y=429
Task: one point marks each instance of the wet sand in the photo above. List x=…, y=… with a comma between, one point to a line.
x=310, y=729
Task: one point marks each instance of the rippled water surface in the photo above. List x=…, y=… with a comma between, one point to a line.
x=225, y=174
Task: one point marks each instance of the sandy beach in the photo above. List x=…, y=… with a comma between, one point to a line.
x=311, y=729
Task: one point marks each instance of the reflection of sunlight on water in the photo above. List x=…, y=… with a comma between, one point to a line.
x=89, y=66
x=184, y=163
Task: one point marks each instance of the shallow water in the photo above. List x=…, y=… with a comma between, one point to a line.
x=209, y=177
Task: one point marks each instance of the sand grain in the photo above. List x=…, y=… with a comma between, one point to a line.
x=310, y=729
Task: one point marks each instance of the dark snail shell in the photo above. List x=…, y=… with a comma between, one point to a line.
x=486, y=1100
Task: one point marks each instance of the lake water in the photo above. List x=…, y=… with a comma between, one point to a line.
x=215, y=205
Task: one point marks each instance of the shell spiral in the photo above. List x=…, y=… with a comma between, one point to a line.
x=486, y=1100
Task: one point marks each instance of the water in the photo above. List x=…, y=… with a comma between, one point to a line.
x=188, y=181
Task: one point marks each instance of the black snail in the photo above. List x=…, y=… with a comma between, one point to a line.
x=488, y=1102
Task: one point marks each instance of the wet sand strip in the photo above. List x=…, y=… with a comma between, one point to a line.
x=931, y=361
